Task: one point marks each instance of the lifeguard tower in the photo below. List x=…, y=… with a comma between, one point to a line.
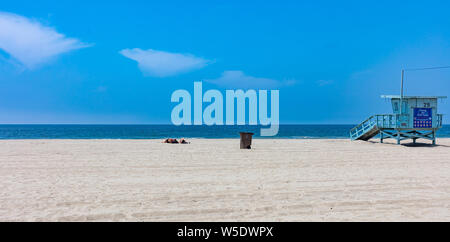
x=413, y=117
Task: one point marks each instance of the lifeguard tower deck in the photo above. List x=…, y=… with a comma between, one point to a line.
x=413, y=117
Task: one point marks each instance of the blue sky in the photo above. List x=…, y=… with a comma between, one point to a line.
x=84, y=62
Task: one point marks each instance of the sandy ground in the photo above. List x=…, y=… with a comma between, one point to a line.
x=213, y=180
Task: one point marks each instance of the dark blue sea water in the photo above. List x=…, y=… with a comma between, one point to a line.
x=164, y=131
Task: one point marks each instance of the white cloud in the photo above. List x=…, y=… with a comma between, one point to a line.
x=162, y=64
x=30, y=43
x=238, y=79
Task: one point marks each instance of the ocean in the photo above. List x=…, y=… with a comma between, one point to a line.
x=164, y=131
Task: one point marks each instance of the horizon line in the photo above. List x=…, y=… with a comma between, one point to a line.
x=170, y=124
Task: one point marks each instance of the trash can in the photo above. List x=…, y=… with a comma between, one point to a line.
x=246, y=140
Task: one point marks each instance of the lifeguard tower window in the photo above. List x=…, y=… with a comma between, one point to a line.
x=395, y=106
x=417, y=117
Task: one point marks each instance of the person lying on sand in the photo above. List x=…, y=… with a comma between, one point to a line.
x=171, y=141
x=183, y=141
x=175, y=141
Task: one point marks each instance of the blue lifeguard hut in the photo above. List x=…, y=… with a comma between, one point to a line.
x=413, y=117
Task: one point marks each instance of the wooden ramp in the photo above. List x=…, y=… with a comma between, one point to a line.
x=369, y=133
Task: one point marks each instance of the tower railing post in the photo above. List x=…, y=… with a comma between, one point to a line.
x=381, y=137
x=434, y=137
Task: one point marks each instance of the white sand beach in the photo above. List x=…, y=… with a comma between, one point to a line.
x=213, y=180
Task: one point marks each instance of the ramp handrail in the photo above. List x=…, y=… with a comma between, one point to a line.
x=362, y=127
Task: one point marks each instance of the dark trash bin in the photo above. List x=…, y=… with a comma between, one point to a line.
x=246, y=140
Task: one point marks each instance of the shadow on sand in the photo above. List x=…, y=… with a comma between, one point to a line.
x=411, y=144
x=423, y=145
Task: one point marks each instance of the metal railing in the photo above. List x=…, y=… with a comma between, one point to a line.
x=439, y=121
x=388, y=121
